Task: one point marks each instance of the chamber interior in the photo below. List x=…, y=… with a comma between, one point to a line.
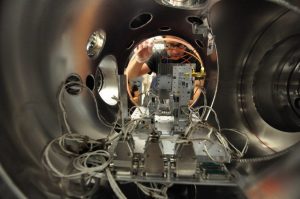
x=44, y=43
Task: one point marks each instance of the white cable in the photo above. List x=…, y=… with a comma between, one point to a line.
x=154, y=192
x=53, y=169
x=215, y=114
x=137, y=108
x=115, y=124
x=208, y=154
x=87, y=163
x=244, y=150
x=203, y=91
x=60, y=100
x=131, y=126
x=62, y=107
x=79, y=163
x=114, y=185
x=217, y=81
x=76, y=139
x=113, y=138
x=212, y=130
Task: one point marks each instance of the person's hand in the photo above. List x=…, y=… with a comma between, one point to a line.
x=144, y=51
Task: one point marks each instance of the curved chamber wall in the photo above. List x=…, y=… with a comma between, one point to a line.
x=43, y=42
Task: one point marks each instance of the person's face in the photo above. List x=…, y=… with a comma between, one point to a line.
x=135, y=93
x=175, y=50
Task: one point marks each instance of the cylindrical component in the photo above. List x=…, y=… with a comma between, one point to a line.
x=276, y=85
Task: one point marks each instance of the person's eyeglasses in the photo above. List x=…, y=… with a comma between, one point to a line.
x=175, y=46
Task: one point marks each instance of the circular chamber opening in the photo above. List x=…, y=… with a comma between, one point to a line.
x=276, y=86
x=73, y=84
x=169, y=57
x=95, y=44
x=164, y=29
x=140, y=21
x=199, y=43
x=90, y=82
x=130, y=44
x=108, y=79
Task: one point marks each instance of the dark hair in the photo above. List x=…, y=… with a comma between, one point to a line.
x=133, y=89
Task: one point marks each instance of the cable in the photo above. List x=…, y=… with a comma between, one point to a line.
x=155, y=192
x=62, y=107
x=224, y=142
x=217, y=83
x=208, y=154
x=131, y=126
x=91, y=162
x=60, y=99
x=267, y=157
x=47, y=162
x=100, y=118
x=89, y=186
x=197, y=58
x=80, y=163
x=77, y=138
x=115, y=123
x=244, y=150
x=215, y=114
x=114, y=185
x=203, y=91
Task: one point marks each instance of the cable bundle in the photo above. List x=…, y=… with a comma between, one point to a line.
x=200, y=123
x=154, y=192
x=80, y=162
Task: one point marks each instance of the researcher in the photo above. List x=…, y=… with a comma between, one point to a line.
x=146, y=61
x=135, y=94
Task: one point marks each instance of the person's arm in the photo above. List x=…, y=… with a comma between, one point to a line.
x=197, y=91
x=138, y=66
x=136, y=69
x=198, y=84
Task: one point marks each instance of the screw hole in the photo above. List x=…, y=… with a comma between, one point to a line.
x=140, y=21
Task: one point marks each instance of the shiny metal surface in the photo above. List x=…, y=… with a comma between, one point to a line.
x=43, y=42
x=188, y=4
x=96, y=43
x=241, y=60
x=109, y=91
x=123, y=155
x=186, y=163
x=153, y=153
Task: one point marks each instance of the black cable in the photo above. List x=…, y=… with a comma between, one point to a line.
x=267, y=157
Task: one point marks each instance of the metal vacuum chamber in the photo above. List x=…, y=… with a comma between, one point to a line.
x=253, y=80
